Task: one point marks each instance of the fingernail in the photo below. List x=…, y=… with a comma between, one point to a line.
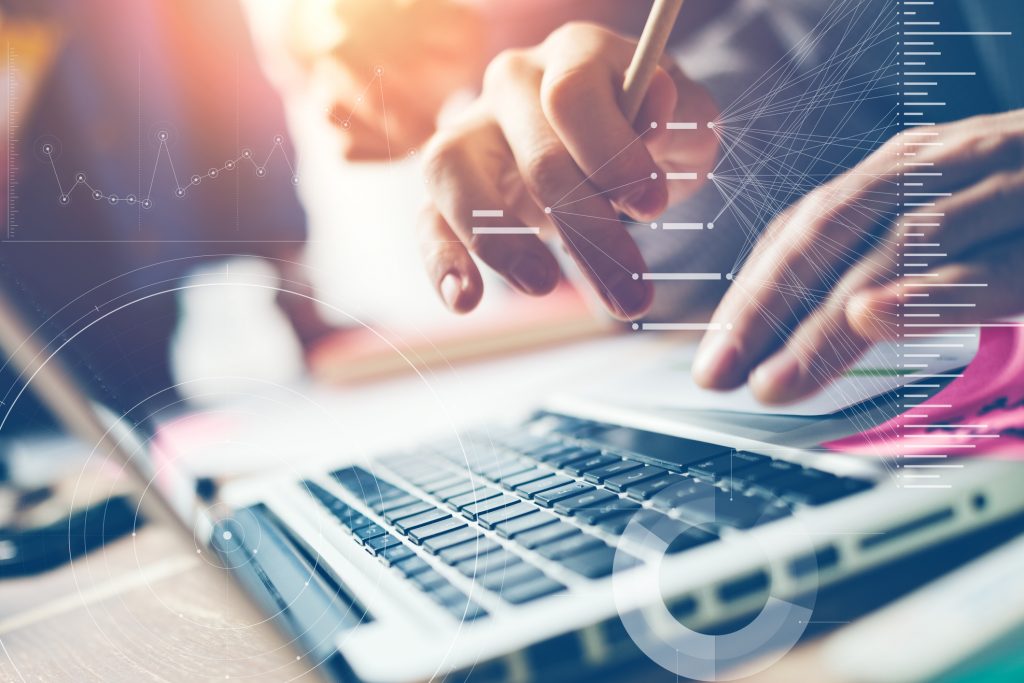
x=778, y=379
x=628, y=297
x=717, y=362
x=530, y=275
x=451, y=288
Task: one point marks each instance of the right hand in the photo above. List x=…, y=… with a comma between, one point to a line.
x=548, y=131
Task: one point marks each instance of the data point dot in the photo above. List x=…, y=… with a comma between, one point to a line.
x=130, y=199
x=547, y=209
x=711, y=124
x=711, y=176
x=80, y=177
x=728, y=326
x=635, y=326
x=97, y=195
x=711, y=226
x=261, y=171
x=636, y=276
x=278, y=139
x=212, y=173
x=728, y=276
x=196, y=180
x=295, y=180
x=654, y=176
x=226, y=535
x=654, y=226
x=654, y=124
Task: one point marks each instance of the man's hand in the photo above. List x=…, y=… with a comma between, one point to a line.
x=547, y=145
x=828, y=277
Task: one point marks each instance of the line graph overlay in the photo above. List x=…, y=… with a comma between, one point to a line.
x=246, y=158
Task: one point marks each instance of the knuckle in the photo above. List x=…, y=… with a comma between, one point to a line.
x=442, y=154
x=546, y=166
x=559, y=91
x=570, y=33
x=507, y=64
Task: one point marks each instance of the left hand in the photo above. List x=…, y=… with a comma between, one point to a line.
x=828, y=277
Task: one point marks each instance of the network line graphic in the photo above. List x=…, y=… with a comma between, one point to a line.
x=182, y=183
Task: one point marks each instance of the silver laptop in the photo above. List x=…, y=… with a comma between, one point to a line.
x=587, y=537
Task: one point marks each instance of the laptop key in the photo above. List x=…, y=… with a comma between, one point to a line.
x=726, y=508
x=762, y=472
x=379, y=543
x=486, y=564
x=540, y=485
x=510, y=576
x=519, y=525
x=572, y=545
x=365, y=533
x=598, y=563
x=411, y=565
x=395, y=553
x=616, y=523
x=725, y=466
x=473, y=497
x=648, y=489
x=429, y=580
x=602, y=473
x=530, y=590
x=422, y=519
x=470, y=549
x=552, y=496
x=504, y=500
x=680, y=491
x=569, y=506
x=808, y=487
x=546, y=534
x=572, y=455
x=436, y=544
x=394, y=503
x=675, y=535
x=441, y=484
x=526, y=477
x=578, y=467
x=491, y=519
x=622, y=482
x=504, y=469
x=595, y=513
x=422, y=533
x=419, y=507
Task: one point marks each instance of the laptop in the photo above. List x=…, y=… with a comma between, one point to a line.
x=587, y=537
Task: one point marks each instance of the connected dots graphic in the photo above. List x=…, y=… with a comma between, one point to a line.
x=261, y=169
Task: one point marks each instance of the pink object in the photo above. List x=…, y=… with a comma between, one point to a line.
x=985, y=413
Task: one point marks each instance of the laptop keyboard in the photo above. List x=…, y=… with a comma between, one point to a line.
x=504, y=512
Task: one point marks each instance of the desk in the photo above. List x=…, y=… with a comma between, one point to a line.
x=151, y=608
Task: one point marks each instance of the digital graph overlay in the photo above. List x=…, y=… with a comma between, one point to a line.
x=182, y=183
x=929, y=83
